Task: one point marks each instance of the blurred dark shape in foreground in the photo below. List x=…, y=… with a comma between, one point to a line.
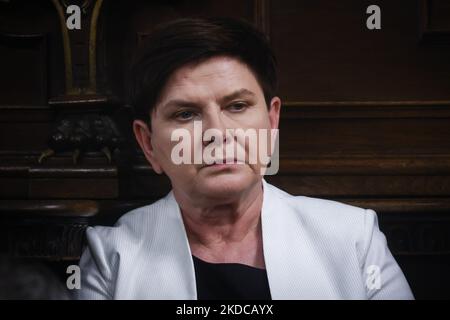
x=28, y=280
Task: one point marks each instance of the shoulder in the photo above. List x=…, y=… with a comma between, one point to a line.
x=338, y=231
x=109, y=249
x=130, y=228
x=324, y=220
x=317, y=209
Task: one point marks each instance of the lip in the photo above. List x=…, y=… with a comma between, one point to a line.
x=223, y=166
x=225, y=163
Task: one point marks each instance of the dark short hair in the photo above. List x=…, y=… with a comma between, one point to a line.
x=184, y=41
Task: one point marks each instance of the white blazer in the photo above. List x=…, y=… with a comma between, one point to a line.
x=313, y=249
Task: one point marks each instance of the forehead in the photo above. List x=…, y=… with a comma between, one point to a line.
x=214, y=76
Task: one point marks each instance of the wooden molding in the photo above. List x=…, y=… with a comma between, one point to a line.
x=49, y=208
x=364, y=109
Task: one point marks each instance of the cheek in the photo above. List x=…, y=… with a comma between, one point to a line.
x=258, y=118
x=162, y=145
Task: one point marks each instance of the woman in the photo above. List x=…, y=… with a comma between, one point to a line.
x=223, y=232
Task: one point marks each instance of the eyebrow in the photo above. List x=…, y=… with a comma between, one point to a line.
x=189, y=104
x=237, y=94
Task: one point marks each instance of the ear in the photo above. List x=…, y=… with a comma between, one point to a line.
x=144, y=138
x=274, y=112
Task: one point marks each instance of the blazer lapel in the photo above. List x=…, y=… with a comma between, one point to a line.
x=184, y=286
x=294, y=268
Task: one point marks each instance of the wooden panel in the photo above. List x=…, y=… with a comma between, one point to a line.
x=24, y=55
x=435, y=22
x=13, y=188
x=15, y=136
x=73, y=188
x=72, y=183
x=34, y=56
x=326, y=53
x=372, y=135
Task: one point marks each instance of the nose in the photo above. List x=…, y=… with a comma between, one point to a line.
x=214, y=122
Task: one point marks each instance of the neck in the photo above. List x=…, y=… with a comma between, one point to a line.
x=231, y=221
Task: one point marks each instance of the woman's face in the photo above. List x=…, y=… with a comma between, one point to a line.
x=220, y=93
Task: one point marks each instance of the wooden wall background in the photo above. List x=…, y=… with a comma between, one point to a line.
x=365, y=120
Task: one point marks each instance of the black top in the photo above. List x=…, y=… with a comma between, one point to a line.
x=230, y=281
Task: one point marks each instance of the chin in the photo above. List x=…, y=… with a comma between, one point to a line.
x=226, y=185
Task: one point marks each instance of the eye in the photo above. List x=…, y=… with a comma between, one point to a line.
x=237, y=107
x=184, y=115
